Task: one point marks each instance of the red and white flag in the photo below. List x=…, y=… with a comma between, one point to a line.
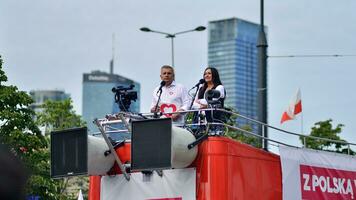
x=293, y=109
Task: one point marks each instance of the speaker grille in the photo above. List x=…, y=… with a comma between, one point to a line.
x=69, y=152
x=151, y=144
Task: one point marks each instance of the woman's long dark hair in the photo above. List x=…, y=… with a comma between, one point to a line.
x=215, y=79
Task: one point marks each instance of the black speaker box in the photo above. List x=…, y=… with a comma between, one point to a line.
x=69, y=152
x=151, y=144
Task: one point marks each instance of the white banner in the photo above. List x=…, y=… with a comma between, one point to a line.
x=312, y=175
x=175, y=184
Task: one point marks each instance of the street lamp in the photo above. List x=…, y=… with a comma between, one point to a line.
x=262, y=80
x=172, y=36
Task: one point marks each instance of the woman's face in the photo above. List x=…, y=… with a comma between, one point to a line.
x=208, y=77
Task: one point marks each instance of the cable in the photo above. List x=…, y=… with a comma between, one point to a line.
x=313, y=56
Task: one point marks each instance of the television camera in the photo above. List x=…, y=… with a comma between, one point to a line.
x=124, y=97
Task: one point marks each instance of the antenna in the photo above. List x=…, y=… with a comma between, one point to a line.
x=113, y=54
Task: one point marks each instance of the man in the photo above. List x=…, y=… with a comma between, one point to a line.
x=174, y=96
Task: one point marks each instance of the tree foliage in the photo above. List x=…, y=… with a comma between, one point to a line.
x=58, y=115
x=240, y=135
x=325, y=129
x=20, y=132
x=16, y=119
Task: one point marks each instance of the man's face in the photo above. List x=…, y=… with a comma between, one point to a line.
x=167, y=75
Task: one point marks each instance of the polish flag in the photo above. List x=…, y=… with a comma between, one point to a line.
x=294, y=108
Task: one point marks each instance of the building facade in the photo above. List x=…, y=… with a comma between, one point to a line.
x=232, y=50
x=40, y=96
x=98, y=98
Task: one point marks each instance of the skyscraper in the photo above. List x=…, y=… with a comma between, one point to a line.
x=232, y=50
x=98, y=98
x=40, y=96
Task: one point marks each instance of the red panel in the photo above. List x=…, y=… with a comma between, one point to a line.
x=226, y=170
x=230, y=170
x=124, y=153
x=94, y=187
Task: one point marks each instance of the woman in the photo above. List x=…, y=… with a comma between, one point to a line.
x=212, y=82
x=202, y=100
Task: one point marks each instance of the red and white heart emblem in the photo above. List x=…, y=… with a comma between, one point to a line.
x=168, y=108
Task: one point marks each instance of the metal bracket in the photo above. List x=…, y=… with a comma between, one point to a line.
x=159, y=172
x=121, y=116
x=117, y=159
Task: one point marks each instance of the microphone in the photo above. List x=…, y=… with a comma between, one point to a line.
x=162, y=84
x=159, y=98
x=201, y=81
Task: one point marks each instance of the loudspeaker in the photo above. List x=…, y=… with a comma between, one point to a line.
x=151, y=143
x=69, y=152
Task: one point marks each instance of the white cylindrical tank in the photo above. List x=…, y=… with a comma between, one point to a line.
x=181, y=156
x=98, y=163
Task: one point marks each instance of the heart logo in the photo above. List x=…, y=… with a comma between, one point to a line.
x=168, y=108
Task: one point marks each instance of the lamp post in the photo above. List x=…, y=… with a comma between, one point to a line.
x=262, y=80
x=172, y=36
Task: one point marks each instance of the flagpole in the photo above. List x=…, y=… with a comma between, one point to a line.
x=301, y=116
x=301, y=121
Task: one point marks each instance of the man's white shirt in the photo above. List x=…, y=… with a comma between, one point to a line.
x=175, y=94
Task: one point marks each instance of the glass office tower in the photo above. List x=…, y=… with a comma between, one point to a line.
x=40, y=96
x=98, y=98
x=232, y=50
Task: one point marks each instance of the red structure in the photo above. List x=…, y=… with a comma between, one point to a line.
x=226, y=170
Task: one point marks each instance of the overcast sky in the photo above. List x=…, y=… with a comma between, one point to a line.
x=50, y=44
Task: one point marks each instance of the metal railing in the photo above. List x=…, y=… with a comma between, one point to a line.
x=263, y=125
x=119, y=118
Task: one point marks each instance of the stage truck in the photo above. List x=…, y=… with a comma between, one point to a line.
x=145, y=156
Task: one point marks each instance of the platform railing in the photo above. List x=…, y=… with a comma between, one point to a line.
x=264, y=125
x=120, y=117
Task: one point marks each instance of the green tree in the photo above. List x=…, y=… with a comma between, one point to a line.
x=325, y=129
x=56, y=116
x=240, y=135
x=16, y=119
x=19, y=131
